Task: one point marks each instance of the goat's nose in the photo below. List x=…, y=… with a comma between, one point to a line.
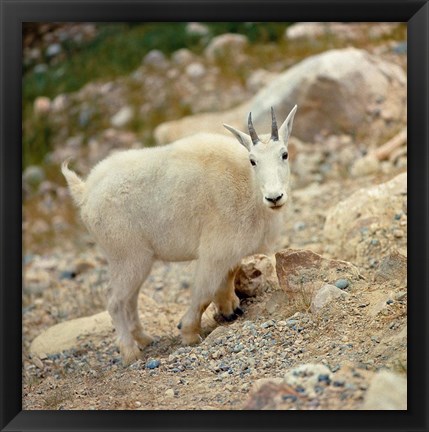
x=274, y=200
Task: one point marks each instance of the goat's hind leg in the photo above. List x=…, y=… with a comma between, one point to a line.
x=126, y=278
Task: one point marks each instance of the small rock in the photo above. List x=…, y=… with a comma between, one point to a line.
x=33, y=175
x=36, y=281
x=138, y=404
x=182, y=57
x=85, y=117
x=122, y=117
x=393, y=267
x=40, y=68
x=255, y=275
x=197, y=29
x=299, y=226
x=155, y=58
x=400, y=295
x=169, y=393
x=227, y=45
x=324, y=378
x=37, y=362
x=367, y=165
x=67, y=274
x=152, y=364
x=53, y=50
x=195, y=70
x=42, y=105
x=400, y=48
x=342, y=283
x=324, y=296
x=267, y=324
x=59, y=103
x=305, y=378
x=398, y=233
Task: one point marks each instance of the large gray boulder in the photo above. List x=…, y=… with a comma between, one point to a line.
x=339, y=91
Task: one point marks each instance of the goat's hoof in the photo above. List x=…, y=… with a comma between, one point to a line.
x=129, y=354
x=143, y=340
x=238, y=311
x=191, y=339
x=230, y=317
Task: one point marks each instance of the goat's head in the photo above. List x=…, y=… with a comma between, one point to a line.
x=269, y=158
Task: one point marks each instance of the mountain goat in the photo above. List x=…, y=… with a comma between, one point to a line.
x=202, y=198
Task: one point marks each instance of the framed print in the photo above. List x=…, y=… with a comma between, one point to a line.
x=214, y=211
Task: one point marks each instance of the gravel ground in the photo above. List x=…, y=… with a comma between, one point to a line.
x=354, y=337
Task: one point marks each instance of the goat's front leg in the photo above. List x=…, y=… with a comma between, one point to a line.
x=226, y=301
x=208, y=277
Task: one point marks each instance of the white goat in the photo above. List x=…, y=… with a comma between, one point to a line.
x=201, y=198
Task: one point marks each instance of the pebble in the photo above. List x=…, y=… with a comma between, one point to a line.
x=182, y=56
x=33, y=175
x=152, y=364
x=197, y=29
x=398, y=233
x=324, y=378
x=195, y=70
x=122, y=117
x=138, y=404
x=289, y=398
x=299, y=226
x=267, y=324
x=400, y=295
x=85, y=117
x=37, y=362
x=67, y=274
x=342, y=283
x=400, y=48
x=169, y=392
x=155, y=58
x=53, y=50
x=40, y=68
x=42, y=105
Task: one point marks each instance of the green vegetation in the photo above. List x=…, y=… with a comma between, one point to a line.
x=117, y=50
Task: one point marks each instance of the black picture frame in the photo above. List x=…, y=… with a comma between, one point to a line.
x=13, y=13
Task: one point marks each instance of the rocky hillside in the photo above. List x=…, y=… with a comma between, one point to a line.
x=325, y=318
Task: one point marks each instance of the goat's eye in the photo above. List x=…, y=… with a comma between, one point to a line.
x=285, y=155
x=252, y=162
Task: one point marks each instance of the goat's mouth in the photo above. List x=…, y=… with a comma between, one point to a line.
x=276, y=206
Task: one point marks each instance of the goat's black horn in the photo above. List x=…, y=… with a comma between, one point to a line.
x=253, y=135
x=274, y=129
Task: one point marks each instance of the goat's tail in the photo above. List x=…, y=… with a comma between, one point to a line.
x=75, y=183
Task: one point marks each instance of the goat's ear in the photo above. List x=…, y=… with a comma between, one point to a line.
x=286, y=127
x=242, y=138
